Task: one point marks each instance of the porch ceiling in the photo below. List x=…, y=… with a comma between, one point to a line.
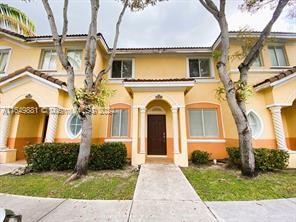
x=153, y=85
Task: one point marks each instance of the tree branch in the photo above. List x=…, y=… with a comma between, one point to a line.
x=113, y=53
x=211, y=7
x=257, y=47
x=62, y=56
x=65, y=25
x=91, y=46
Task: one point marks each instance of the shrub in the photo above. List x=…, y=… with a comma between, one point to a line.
x=265, y=159
x=200, y=157
x=63, y=156
x=234, y=156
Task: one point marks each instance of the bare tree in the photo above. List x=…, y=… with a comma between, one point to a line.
x=234, y=90
x=86, y=98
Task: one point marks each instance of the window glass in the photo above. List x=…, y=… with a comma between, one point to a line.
x=3, y=59
x=203, y=123
x=255, y=124
x=277, y=56
x=257, y=62
x=204, y=68
x=120, y=123
x=74, y=125
x=199, y=67
x=75, y=58
x=49, y=60
x=122, y=69
x=196, y=126
x=194, y=68
x=280, y=56
x=210, y=123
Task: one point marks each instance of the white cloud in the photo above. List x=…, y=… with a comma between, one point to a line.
x=172, y=23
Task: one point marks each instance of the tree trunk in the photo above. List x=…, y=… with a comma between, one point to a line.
x=246, y=150
x=84, y=149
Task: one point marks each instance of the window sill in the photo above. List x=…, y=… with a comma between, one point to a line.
x=118, y=140
x=206, y=140
x=281, y=67
x=45, y=70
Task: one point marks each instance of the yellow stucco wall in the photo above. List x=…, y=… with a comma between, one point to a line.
x=150, y=66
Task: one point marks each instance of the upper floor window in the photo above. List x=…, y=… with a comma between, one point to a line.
x=203, y=123
x=258, y=62
x=75, y=57
x=122, y=69
x=199, y=68
x=119, y=123
x=49, y=59
x=277, y=55
x=4, y=53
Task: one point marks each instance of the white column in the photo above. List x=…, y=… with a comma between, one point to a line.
x=143, y=127
x=175, y=129
x=51, y=125
x=4, y=127
x=278, y=127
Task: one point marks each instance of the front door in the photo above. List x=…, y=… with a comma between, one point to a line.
x=156, y=135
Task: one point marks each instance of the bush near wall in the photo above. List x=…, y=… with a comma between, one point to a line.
x=265, y=159
x=63, y=156
x=200, y=157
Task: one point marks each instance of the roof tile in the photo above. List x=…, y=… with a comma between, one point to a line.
x=34, y=72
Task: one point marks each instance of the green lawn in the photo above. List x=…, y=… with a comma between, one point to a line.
x=214, y=184
x=112, y=185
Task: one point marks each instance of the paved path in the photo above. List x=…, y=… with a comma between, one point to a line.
x=8, y=167
x=280, y=210
x=164, y=194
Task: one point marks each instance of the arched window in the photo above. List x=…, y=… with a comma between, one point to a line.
x=255, y=124
x=74, y=125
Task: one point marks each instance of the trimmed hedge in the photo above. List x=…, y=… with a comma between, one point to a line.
x=63, y=156
x=265, y=159
x=200, y=157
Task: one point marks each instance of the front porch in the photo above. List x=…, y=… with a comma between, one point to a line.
x=159, y=121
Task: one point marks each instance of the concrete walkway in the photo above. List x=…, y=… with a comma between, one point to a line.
x=9, y=167
x=162, y=194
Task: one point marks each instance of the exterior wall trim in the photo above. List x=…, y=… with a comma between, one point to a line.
x=206, y=141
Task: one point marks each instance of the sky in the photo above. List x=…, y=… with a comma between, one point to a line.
x=170, y=23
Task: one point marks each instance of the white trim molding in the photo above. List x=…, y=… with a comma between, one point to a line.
x=206, y=141
x=124, y=140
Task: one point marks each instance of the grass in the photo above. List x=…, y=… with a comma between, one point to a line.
x=112, y=185
x=219, y=184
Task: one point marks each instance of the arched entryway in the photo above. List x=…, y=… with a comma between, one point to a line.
x=29, y=124
x=289, y=120
x=159, y=129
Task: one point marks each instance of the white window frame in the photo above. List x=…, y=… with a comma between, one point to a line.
x=212, y=73
x=124, y=59
x=67, y=127
x=120, y=116
x=285, y=55
x=203, y=122
x=43, y=50
x=8, y=59
x=260, y=122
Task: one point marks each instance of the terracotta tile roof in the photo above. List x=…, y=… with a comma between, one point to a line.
x=34, y=72
x=277, y=77
x=159, y=80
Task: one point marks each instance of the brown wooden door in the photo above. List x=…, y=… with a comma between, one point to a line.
x=156, y=135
